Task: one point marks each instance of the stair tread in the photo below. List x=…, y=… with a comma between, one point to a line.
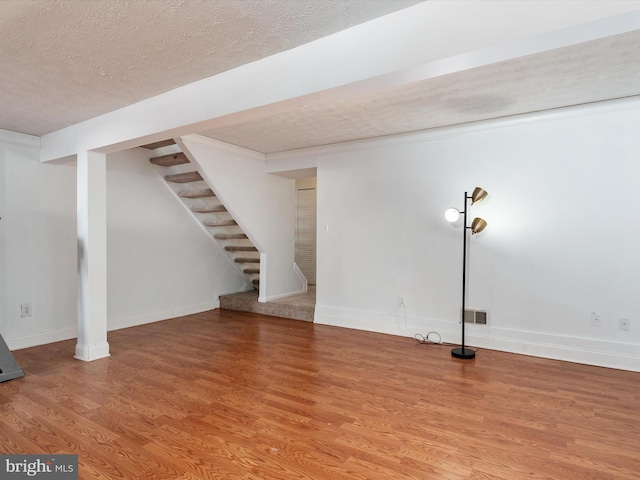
x=240, y=248
x=229, y=236
x=184, y=177
x=211, y=209
x=250, y=271
x=220, y=223
x=246, y=260
x=170, y=160
x=206, y=192
x=162, y=143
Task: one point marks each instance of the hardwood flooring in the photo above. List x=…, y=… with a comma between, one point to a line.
x=228, y=395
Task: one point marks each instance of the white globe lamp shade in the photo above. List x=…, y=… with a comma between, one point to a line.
x=452, y=215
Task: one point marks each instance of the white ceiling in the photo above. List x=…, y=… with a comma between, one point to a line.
x=66, y=61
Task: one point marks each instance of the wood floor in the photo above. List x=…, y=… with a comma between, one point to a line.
x=243, y=396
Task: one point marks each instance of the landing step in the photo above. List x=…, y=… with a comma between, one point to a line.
x=250, y=271
x=220, y=223
x=237, y=248
x=246, y=260
x=214, y=208
x=207, y=192
x=184, y=177
x=230, y=236
x=299, y=307
x=170, y=160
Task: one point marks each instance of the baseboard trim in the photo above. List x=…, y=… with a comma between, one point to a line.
x=127, y=322
x=89, y=353
x=281, y=295
x=622, y=356
x=41, y=338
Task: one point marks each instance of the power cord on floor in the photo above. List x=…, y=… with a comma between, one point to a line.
x=426, y=340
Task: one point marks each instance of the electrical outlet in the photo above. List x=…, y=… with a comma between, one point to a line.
x=596, y=320
x=26, y=310
x=624, y=323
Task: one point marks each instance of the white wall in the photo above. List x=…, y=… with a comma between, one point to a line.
x=161, y=264
x=263, y=205
x=561, y=241
x=37, y=244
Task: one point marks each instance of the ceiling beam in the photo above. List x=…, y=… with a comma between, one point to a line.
x=423, y=41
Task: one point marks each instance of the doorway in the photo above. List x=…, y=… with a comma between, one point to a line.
x=305, y=244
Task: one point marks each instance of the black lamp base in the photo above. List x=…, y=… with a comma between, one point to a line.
x=464, y=353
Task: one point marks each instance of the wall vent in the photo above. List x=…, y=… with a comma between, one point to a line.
x=479, y=317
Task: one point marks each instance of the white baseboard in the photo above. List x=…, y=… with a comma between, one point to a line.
x=89, y=353
x=41, y=338
x=623, y=356
x=117, y=324
x=281, y=295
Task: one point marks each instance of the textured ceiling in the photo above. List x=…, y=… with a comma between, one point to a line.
x=588, y=72
x=65, y=61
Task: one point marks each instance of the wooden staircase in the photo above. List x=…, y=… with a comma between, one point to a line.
x=190, y=188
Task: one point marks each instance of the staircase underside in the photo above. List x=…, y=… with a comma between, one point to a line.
x=298, y=307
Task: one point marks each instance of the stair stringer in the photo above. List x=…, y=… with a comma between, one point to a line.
x=262, y=204
x=162, y=172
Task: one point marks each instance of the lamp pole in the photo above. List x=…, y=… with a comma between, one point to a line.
x=462, y=352
x=478, y=225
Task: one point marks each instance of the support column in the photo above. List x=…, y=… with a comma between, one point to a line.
x=92, y=256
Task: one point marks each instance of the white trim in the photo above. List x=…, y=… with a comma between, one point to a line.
x=135, y=321
x=21, y=139
x=303, y=279
x=89, y=353
x=619, y=355
x=263, y=277
x=282, y=295
x=41, y=338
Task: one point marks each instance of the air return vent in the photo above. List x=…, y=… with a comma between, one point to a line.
x=479, y=317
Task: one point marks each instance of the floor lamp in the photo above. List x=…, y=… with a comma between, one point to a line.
x=477, y=225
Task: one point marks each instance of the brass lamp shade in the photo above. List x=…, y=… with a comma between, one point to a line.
x=478, y=195
x=478, y=224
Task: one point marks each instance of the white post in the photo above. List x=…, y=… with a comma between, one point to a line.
x=92, y=256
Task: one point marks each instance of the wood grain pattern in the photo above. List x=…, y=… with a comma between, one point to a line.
x=228, y=395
